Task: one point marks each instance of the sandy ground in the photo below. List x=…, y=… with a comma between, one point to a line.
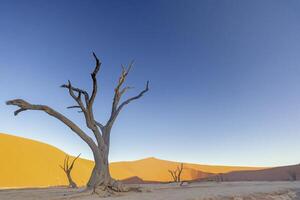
x=195, y=191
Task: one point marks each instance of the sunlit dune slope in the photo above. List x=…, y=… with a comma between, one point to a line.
x=28, y=163
x=152, y=169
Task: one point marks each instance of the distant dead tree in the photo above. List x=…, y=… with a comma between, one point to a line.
x=292, y=175
x=173, y=174
x=179, y=169
x=219, y=177
x=100, y=180
x=176, y=174
x=67, y=167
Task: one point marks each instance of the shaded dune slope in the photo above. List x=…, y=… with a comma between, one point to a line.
x=285, y=173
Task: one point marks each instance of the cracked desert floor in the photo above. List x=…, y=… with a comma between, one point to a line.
x=194, y=191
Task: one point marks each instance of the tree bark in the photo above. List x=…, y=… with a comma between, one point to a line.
x=101, y=180
x=100, y=174
x=72, y=184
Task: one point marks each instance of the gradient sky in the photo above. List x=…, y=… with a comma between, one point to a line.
x=224, y=76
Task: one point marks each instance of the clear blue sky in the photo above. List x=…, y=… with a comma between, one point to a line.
x=225, y=76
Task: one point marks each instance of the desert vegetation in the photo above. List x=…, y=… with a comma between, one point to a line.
x=176, y=174
x=100, y=181
x=220, y=177
x=67, y=168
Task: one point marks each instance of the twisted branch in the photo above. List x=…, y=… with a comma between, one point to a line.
x=23, y=106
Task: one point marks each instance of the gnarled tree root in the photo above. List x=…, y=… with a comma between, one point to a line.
x=114, y=188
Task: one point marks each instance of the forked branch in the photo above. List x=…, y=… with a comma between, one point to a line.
x=135, y=97
x=87, y=108
x=118, y=90
x=67, y=168
x=173, y=174
x=176, y=174
x=88, y=100
x=116, y=107
x=73, y=90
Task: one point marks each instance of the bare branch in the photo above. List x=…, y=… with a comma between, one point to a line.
x=19, y=110
x=72, y=164
x=73, y=89
x=124, y=90
x=76, y=98
x=173, y=174
x=62, y=167
x=135, y=97
x=94, y=77
x=69, y=107
x=118, y=93
x=87, y=110
x=23, y=105
x=67, y=162
x=129, y=67
x=101, y=126
x=89, y=116
x=116, y=108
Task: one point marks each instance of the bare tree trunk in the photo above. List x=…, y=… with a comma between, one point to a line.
x=100, y=174
x=72, y=184
x=101, y=181
x=179, y=172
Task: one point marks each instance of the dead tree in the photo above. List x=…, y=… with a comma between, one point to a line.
x=219, y=177
x=68, y=169
x=100, y=181
x=179, y=169
x=173, y=174
x=176, y=174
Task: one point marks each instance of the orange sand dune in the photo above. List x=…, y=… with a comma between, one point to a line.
x=28, y=163
x=153, y=169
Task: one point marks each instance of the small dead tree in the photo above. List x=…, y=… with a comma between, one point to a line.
x=173, y=174
x=100, y=180
x=176, y=174
x=219, y=177
x=179, y=169
x=67, y=168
